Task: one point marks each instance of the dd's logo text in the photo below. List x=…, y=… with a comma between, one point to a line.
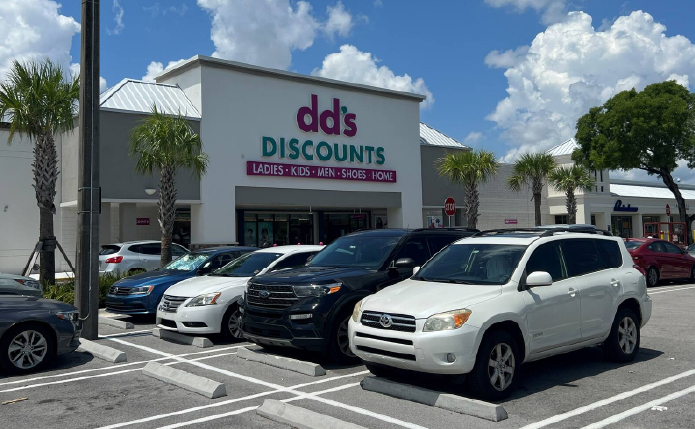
x=333, y=121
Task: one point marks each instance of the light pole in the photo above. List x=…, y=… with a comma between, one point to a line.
x=88, y=195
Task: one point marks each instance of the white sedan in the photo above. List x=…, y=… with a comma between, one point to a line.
x=208, y=304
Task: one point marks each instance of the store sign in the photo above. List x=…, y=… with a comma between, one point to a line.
x=321, y=151
x=260, y=168
x=333, y=121
x=668, y=210
x=619, y=207
x=510, y=222
x=450, y=206
x=142, y=221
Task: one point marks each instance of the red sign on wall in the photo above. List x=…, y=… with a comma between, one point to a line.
x=668, y=210
x=450, y=207
x=142, y=221
x=510, y=222
x=259, y=168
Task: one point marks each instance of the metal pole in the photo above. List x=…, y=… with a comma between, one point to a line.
x=88, y=195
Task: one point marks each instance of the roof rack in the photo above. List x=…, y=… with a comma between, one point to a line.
x=461, y=228
x=546, y=231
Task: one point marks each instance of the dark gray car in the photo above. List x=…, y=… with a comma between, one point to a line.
x=34, y=330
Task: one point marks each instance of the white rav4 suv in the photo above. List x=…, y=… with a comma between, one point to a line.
x=485, y=304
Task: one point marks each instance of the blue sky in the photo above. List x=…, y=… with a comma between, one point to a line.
x=444, y=43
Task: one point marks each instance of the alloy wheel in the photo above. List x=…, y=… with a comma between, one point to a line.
x=233, y=325
x=653, y=277
x=343, y=339
x=627, y=335
x=28, y=349
x=501, y=366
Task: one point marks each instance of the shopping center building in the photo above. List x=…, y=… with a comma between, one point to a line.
x=293, y=159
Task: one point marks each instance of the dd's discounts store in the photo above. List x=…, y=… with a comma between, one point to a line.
x=299, y=159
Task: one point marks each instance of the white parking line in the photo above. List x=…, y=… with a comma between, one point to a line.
x=125, y=334
x=636, y=410
x=671, y=290
x=71, y=380
x=619, y=397
x=230, y=401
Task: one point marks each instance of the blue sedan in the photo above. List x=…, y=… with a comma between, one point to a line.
x=140, y=294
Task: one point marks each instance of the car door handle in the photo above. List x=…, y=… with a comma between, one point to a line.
x=572, y=291
x=615, y=283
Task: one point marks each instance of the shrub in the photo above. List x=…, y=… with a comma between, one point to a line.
x=65, y=292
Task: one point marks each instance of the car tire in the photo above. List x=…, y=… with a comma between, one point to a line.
x=622, y=344
x=652, y=277
x=339, y=344
x=231, y=326
x=43, y=348
x=692, y=274
x=380, y=370
x=499, y=348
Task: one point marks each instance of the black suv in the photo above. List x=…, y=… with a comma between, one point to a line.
x=309, y=307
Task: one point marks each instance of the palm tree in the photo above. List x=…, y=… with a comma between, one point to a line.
x=39, y=101
x=166, y=143
x=567, y=180
x=532, y=169
x=468, y=169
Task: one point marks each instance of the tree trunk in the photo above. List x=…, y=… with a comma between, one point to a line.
x=537, y=194
x=471, y=204
x=167, y=210
x=673, y=187
x=45, y=169
x=571, y=205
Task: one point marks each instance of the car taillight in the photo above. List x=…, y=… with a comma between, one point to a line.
x=114, y=260
x=640, y=269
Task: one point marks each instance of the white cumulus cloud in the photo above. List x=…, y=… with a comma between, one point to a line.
x=156, y=68
x=266, y=32
x=506, y=59
x=33, y=30
x=473, y=137
x=551, y=10
x=117, y=17
x=339, y=21
x=571, y=67
x=353, y=65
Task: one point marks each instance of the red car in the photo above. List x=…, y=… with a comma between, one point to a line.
x=661, y=260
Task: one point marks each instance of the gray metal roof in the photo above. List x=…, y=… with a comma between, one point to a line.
x=642, y=190
x=136, y=96
x=564, y=148
x=431, y=137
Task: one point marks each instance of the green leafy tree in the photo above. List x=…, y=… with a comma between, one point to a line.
x=568, y=180
x=650, y=130
x=532, y=169
x=468, y=169
x=167, y=143
x=38, y=100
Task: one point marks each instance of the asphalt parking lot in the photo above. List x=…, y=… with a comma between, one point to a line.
x=577, y=390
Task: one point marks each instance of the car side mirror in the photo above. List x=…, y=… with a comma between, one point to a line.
x=539, y=278
x=404, y=263
x=205, y=269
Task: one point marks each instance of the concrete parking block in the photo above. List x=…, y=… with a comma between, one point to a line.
x=201, y=342
x=102, y=352
x=116, y=323
x=185, y=380
x=307, y=368
x=457, y=404
x=300, y=418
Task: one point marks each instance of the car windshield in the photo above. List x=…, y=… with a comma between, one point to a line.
x=247, y=265
x=188, y=262
x=356, y=251
x=633, y=244
x=480, y=264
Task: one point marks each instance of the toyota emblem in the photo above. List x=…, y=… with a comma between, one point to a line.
x=385, y=321
x=264, y=294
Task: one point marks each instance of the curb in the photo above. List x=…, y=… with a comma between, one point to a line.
x=301, y=418
x=307, y=368
x=201, y=342
x=102, y=352
x=115, y=323
x=185, y=380
x=457, y=404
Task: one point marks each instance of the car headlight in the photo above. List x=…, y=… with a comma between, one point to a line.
x=141, y=290
x=356, y=312
x=316, y=290
x=71, y=315
x=446, y=321
x=204, y=299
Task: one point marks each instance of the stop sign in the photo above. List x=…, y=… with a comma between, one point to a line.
x=668, y=210
x=450, y=206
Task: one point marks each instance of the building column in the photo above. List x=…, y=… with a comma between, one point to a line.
x=127, y=230
x=395, y=218
x=105, y=224
x=637, y=226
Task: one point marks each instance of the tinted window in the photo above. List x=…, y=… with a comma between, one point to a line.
x=358, y=251
x=439, y=242
x=672, y=248
x=416, y=249
x=610, y=250
x=293, y=261
x=147, y=249
x=656, y=247
x=247, y=265
x=547, y=257
x=137, y=248
x=481, y=264
x=582, y=256
x=109, y=249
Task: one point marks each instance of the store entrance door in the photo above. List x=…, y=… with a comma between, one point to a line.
x=621, y=226
x=340, y=224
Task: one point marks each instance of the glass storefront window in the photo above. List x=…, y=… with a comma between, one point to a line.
x=250, y=230
x=621, y=226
